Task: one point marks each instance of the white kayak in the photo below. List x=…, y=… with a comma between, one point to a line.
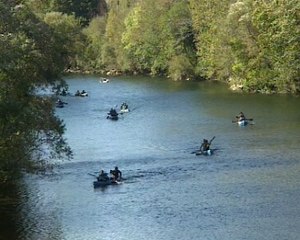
x=104, y=80
x=124, y=110
x=205, y=153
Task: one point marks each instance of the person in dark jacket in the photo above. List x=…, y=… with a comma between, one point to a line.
x=116, y=174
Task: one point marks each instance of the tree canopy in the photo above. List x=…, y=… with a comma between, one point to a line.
x=250, y=44
x=31, y=58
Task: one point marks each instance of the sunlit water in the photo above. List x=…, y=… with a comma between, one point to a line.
x=249, y=189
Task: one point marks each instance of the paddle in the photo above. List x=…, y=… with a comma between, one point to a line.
x=135, y=108
x=93, y=175
x=212, y=139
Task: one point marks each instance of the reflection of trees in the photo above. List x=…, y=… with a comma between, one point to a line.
x=27, y=213
x=9, y=202
x=38, y=213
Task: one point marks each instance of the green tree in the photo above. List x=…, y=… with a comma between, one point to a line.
x=180, y=41
x=91, y=59
x=208, y=22
x=67, y=33
x=113, y=56
x=264, y=45
x=278, y=26
x=157, y=36
x=30, y=133
x=242, y=41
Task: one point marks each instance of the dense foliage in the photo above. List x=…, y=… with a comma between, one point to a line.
x=252, y=45
x=84, y=10
x=31, y=58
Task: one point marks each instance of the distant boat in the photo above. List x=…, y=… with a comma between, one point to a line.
x=113, y=115
x=60, y=104
x=104, y=80
x=124, y=108
x=244, y=122
x=81, y=94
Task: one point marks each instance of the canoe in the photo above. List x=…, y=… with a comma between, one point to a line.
x=105, y=183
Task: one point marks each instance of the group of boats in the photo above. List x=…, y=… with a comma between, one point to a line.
x=60, y=104
x=65, y=92
x=114, y=113
x=205, y=150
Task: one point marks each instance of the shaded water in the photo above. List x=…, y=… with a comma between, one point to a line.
x=249, y=189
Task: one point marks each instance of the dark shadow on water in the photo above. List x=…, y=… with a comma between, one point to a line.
x=9, y=202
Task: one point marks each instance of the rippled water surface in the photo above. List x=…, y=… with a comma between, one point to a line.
x=249, y=189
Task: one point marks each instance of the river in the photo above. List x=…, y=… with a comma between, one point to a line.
x=248, y=189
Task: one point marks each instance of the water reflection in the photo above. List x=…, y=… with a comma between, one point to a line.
x=9, y=208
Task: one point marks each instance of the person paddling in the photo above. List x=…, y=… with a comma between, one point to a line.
x=116, y=173
x=205, y=146
x=241, y=116
x=103, y=176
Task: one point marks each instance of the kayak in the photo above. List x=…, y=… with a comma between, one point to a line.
x=85, y=94
x=124, y=110
x=204, y=153
x=112, y=114
x=105, y=183
x=112, y=117
x=59, y=105
x=104, y=80
x=243, y=123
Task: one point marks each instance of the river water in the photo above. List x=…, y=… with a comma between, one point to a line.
x=248, y=189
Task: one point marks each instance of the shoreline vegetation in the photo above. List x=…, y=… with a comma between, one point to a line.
x=250, y=45
x=253, y=46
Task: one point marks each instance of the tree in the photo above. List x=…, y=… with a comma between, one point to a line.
x=157, y=34
x=208, y=24
x=264, y=43
x=30, y=133
x=113, y=56
x=91, y=59
x=66, y=30
x=278, y=26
